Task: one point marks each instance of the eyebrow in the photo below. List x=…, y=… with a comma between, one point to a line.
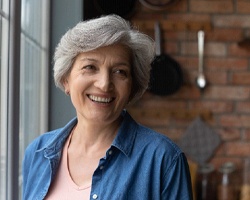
x=96, y=60
x=88, y=59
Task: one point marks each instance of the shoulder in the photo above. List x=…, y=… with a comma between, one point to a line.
x=161, y=150
x=44, y=140
x=145, y=138
x=51, y=138
x=156, y=139
x=35, y=150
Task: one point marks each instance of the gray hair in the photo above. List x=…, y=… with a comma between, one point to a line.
x=100, y=32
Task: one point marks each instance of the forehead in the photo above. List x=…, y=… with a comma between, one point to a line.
x=117, y=51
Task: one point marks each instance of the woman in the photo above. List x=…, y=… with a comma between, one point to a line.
x=103, y=65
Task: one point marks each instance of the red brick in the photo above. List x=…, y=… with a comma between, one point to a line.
x=151, y=121
x=213, y=78
x=220, y=151
x=224, y=35
x=176, y=36
x=189, y=48
x=236, y=51
x=240, y=121
x=238, y=148
x=224, y=64
x=170, y=48
x=246, y=135
x=214, y=106
x=187, y=92
x=243, y=6
x=243, y=107
x=163, y=103
x=227, y=93
x=173, y=133
x=229, y=134
x=177, y=6
x=210, y=49
x=189, y=17
x=211, y=6
x=241, y=78
x=214, y=49
x=216, y=78
x=188, y=63
x=231, y=21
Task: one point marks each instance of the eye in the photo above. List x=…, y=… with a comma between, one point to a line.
x=121, y=72
x=88, y=67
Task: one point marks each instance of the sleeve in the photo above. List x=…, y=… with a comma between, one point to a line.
x=177, y=181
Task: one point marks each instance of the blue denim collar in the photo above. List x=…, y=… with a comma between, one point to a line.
x=123, y=141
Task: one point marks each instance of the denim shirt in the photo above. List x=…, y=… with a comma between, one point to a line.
x=140, y=164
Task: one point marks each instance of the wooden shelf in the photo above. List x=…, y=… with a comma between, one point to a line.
x=174, y=25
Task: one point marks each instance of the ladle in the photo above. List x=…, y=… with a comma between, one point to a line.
x=201, y=80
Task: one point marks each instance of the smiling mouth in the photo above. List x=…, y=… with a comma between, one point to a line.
x=100, y=99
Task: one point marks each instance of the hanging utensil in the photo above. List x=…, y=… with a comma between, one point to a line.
x=157, y=5
x=201, y=80
x=124, y=8
x=200, y=141
x=166, y=74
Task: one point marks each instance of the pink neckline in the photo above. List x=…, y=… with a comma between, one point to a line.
x=66, y=167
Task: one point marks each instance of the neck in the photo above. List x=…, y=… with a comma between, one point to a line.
x=89, y=138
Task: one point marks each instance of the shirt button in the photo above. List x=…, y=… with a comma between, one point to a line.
x=95, y=196
x=101, y=167
x=110, y=152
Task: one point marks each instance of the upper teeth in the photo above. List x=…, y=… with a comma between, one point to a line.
x=100, y=99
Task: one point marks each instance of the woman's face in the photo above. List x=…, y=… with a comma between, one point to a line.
x=100, y=83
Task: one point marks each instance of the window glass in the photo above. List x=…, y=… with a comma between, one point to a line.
x=4, y=32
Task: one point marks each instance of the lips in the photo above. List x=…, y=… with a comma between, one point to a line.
x=99, y=99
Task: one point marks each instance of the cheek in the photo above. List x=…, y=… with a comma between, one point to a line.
x=79, y=82
x=127, y=89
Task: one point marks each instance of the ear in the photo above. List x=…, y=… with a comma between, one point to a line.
x=66, y=86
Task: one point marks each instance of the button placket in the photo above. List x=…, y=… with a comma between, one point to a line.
x=101, y=167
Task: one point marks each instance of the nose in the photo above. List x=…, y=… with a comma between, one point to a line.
x=104, y=81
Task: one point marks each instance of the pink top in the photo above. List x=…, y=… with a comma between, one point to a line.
x=63, y=187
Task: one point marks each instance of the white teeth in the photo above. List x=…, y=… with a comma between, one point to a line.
x=100, y=99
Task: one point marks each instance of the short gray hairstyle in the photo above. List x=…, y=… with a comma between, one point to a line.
x=104, y=31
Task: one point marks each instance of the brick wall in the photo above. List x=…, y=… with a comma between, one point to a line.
x=225, y=102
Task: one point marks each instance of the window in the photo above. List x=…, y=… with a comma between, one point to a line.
x=4, y=38
x=34, y=68
x=33, y=86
